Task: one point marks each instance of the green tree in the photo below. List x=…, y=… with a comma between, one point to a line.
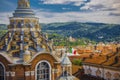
x=77, y=62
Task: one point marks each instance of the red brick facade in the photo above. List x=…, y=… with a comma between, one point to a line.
x=28, y=71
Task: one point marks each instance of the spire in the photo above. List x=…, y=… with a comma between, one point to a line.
x=23, y=4
x=23, y=9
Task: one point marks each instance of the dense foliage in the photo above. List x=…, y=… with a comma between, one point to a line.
x=2, y=32
x=3, y=29
x=64, y=41
x=94, y=31
x=77, y=62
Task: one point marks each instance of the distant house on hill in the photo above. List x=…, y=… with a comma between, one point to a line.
x=71, y=39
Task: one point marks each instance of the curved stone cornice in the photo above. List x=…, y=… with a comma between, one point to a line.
x=4, y=54
x=42, y=53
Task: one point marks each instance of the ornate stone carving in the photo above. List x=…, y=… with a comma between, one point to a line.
x=108, y=75
x=32, y=73
x=12, y=74
x=98, y=72
x=8, y=73
x=24, y=4
x=27, y=73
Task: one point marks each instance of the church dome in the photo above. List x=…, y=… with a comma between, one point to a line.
x=24, y=32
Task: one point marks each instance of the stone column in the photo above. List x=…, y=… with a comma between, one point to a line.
x=53, y=72
x=27, y=73
x=7, y=75
x=32, y=75
x=12, y=75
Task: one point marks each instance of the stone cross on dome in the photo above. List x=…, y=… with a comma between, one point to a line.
x=23, y=3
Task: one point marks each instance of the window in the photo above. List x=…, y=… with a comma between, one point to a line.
x=108, y=76
x=43, y=71
x=98, y=73
x=116, y=76
x=2, y=72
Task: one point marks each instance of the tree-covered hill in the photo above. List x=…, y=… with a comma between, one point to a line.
x=93, y=31
x=3, y=29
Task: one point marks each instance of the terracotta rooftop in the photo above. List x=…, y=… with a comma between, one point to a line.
x=96, y=59
x=112, y=60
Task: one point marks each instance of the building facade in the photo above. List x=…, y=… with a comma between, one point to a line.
x=105, y=72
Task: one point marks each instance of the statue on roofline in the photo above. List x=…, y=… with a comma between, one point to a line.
x=23, y=3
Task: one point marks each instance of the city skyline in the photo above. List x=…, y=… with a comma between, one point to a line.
x=50, y=11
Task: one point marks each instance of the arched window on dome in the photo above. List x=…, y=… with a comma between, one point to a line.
x=108, y=76
x=43, y=71
x=98, y=73
x=116, y=76
x=89, y=71
x=2, y=72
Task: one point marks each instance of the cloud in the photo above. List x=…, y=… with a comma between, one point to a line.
x=100, y=17
x=102, y=5
x=65, y=8
x=4, y=17
x=94, y=7
x=115, y=13
x=74, y=2
x=51, y=17
x=102, y=11
x=116, y=6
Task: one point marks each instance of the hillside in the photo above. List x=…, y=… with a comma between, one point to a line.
x=94, y=31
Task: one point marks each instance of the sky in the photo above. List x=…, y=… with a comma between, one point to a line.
x=50, y=11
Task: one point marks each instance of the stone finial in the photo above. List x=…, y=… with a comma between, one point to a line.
x=23, y=4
